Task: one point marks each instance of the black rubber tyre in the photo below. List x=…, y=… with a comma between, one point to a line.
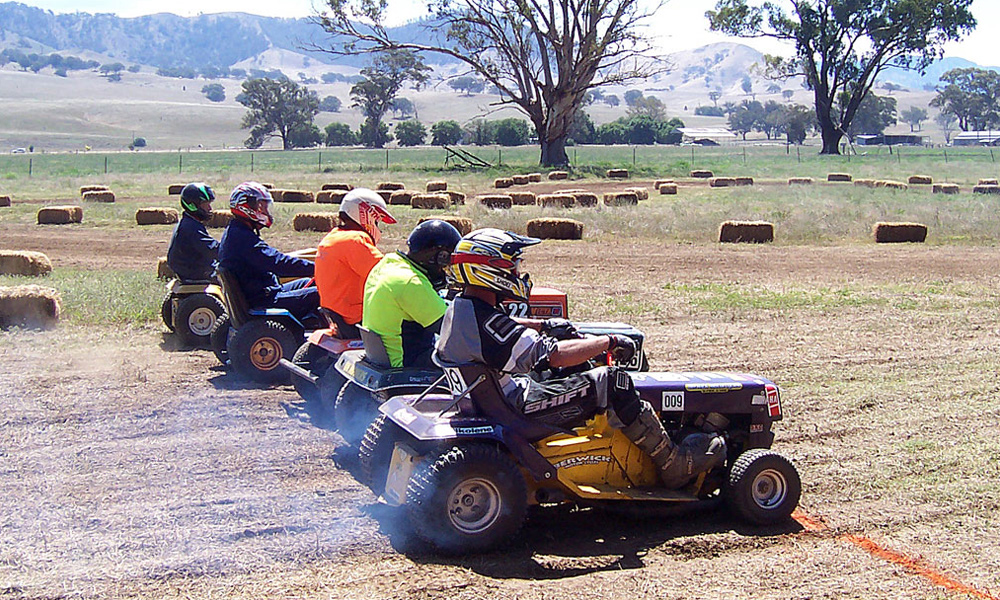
x=375, y=453
x=763, y=487
x=219, y=339
x=196, y=317
x=316, y=360
x=167, y=311
x=256, y=349
x=468, y=498
x=354, y=411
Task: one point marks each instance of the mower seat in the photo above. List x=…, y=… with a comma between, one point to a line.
x=375, y=351
x=236, y=302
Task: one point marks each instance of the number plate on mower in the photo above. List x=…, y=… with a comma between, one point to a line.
x=404, y=461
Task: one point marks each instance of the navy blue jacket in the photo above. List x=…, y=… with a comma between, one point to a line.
x=192, y=252
x=256, y=265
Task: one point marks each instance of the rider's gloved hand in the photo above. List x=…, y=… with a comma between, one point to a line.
x=560, y=329
x=621, y=347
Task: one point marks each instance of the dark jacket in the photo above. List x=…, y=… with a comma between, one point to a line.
x=192, y=252
x=256, y=265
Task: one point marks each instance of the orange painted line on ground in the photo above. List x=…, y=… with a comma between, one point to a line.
x=912, y=565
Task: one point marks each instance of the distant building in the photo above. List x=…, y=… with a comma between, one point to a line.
x=976, y=138
x=891, y=139
x=706, y=136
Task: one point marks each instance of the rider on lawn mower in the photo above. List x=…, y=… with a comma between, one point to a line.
x=346, y=256
x=192, y=254
x=485, y=268
x=255, y=264
x=401, y=301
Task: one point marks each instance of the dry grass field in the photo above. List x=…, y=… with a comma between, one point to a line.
x=132, y=468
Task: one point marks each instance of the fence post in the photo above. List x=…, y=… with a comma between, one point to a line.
x=692, y=157
x=29, y=166
x=633, y=156
x=180, y=163
x=386, y=159
x=251, y=162
x=945, y=157
x=105, y=165
x=499, y=156
x=744, y=156
x=319, y=163
x=991, y=155
x=798, y=154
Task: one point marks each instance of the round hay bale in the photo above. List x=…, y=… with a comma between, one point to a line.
x=718, y=182
x=456, y=197
x=25, y=263
x=617, y=173
x=295, y=196
x=29, y=306
x=437, y=186
x=175, y=189
x=503, y=182
x=534, y=177
x=946, y=188
x=800, y=181
x=894, y=233
x=839, y=177
x=668, y=189
x=520, y=179
x=986, y=189
x=556, y=200
x=920, y=180
x=462, y=224
x=640, y=192
x=389, y=186
x=321, y=222
x=401, y=198
x=701, y=174
x=868, y=183
x=94, y=188
x=5, y=200
x=744, y=181
x=620, y=198
x=219, y=218
x=430, y=201
x=336, y=187
x=156, y=216
x=555, y=229
x=330, y=196
x=989, y=181
x=891, y=185
x=659, y=182
x=102, y=196
x=60, y=215
x=753, y=232
x=496, y=201
x=523, y=198
x=558, y=176
x=163, y=270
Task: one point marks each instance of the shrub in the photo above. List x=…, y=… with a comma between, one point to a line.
x=446, y=133
x=214, y=92
x=411, y=133
x=340, y=134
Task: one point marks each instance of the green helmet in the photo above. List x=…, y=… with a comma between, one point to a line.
x=192, y=197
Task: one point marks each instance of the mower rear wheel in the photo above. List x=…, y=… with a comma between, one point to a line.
x=167, y=311
x=219, y=339
x=257, y=348
x=354, y=411
x=467, y=498
x=763, y=487
x=195, y=318
x=316, y=360
x=375, y=453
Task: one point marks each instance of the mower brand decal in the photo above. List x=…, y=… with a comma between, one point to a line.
x=349, y=368
x=756, y=428
x=474, y=430
x=759, y=400
x=554, y=401
x=714, y=388
x=673, y=401
x=576, y=461
x=773, y=401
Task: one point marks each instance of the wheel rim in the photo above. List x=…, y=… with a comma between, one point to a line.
x=201, y=321
x=265, y=353
x=769, y=489
x=474, y=505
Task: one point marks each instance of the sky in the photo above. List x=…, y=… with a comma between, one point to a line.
x=978, y=47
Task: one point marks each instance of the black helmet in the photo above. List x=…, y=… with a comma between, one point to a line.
x=433, y=234
x=192, y=196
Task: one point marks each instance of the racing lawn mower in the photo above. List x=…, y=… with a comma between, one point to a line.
x=466, y=465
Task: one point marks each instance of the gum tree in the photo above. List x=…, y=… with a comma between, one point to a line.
x=542, y=55
x=842, y=46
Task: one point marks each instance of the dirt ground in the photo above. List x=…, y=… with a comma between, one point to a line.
x=133, y=469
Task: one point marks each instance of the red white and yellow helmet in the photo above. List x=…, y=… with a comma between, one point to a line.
x=245, y=202
x=367, y=209
x=491, y=258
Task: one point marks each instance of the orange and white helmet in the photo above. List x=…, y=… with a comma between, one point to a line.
x=367, y=209
x=491, y=259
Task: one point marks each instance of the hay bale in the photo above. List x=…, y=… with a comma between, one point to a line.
x=520, y=179
x=496, y=200
x=523, y=198
x=989, y=181
x=891, y=185
x=701, y=174
x=839, y=177
x=668, y=189
x=276, y=194
x=330, y=196
x=617, y=173
x=389, y=186
x=5, y=200
x=219, y=218
x=744, y=181
x=894, y=233
x=800, y=181
x=718, y=182
x=401, y=197
x=94, y=188
x=557, y=200
x=296, y=196
x=558, y=176
x=102, y=196
x=321, y=222
x=336, y=187
x=163, y=270
x=986, y=189
x=463, y=225
x=586, y=199
x=430, y=201
x=25, y=263
x=641, y=193
x=659, y=182
x=868, y=183
x=534, y=177
x=620, y=198
x=268, y=186
x=385, y=194
x=437, y=186
x=555, y=229
x=456, y=197
x=156, y=216
x=175, y=188
x=946, y=188
x=754, y=232
x=920, y=180
x=30, y=306
x=503, y=182
x=60, y=215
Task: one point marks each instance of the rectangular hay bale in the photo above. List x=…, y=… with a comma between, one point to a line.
x=336, y=187
x=945, y=188
x=503, y=182
x=60, y=215
x=920, y=180
x=894, y=233
x=500, y=201
x=868, y=183
x=430, y=201
x=718, y=182
x=701, y=174
x=163, y=270
x=744, y=181
x=800, y=181
x=94, y=188
x=25, y=263
x=556, y=200
x=620, y=198
x=558, y=176
x=840, y=177
x=321, y=222
x=520, y=179
x=986, y=189
x=891, y=185
x=456, y=197
x=5, y=200
x=989, y=181
x=330, y=196
x=101, y=196
x=437, y=186
x=586, y=199
x=296, y=196
x=29, y=306
x=523, y=198
x=401, y=198
x=555, y=229
x=617, y=173
x=640, y=192
x=389, y=186
x=156, y=216
x=657, y=183
x=175, y=188
x=462, y=224
x=534, y=177
x=753, y=232
x=219, y=218
x=668, y=189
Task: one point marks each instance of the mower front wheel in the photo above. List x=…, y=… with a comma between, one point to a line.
x=167, y=311
x=354, y=411
x=196, y=317
x=219, y=339
x=763, y=487
x=375, y=454
x=257, y=348
x=316, y=360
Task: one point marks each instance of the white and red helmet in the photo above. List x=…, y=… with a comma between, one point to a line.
x=367, y=209
x=245, y=202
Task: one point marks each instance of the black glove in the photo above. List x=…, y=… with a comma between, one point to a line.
x=560, y=329
x=622, y=348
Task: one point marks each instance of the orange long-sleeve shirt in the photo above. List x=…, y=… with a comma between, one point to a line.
x=343, y=261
